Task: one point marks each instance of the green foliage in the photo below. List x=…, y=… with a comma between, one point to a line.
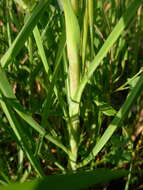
x=70, y=88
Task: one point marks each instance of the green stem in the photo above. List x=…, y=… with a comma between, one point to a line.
x=73, y=47
x=75, y=5
x=90, y=12
x=84, y=40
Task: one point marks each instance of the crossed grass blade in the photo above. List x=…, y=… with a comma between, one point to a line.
x=120, y=116
x=19, y=133
x=11, y=54
x=7, y=92
x=24, y=33
x=112, y=38
x=117, y=31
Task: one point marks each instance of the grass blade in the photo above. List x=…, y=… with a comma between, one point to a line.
x=19, y=133
x=24, y=33
x=118, y=29
x=42, y=54
x=120, y=116
x=7, y=92
x=76, y=181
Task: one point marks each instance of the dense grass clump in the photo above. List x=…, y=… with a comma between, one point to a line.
x=71, y=91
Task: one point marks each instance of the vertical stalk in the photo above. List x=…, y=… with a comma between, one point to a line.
x=85, y=36
x=90, y=12
x=73, y=47
x=75, y=5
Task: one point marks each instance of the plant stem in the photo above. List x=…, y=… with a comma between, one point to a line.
x=75, y=5
x=85, y=37
x=90, y=11
x=73, y=47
